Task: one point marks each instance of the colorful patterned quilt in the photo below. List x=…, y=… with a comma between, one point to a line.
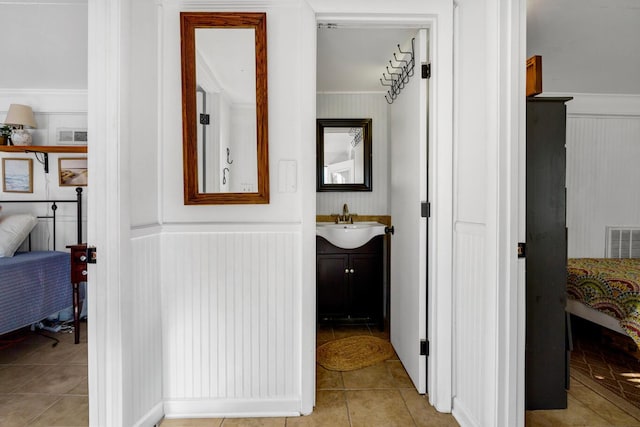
x=608, y=285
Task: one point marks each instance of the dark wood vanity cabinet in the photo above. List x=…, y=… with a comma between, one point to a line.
x=349, y=285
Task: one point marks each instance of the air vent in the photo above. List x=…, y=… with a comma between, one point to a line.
x=623, y=242
x=69, y=136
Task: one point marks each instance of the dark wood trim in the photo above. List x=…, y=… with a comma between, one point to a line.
x=189, y=21
x=43, y=148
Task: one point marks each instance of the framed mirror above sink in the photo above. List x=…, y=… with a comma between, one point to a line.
x=224, y=108
x=343, y=154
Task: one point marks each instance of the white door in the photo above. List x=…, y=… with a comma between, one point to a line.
x=408, y=287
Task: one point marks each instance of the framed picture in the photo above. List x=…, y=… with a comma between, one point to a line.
x=17, y=175
x=72, y=171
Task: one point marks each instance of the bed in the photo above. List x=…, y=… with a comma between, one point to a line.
x=34, y=284
x=606, y=291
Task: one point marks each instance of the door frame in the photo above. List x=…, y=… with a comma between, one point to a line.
x=440, y=183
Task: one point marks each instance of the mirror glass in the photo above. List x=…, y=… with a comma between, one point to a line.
x=343, y=154
x=224, y=108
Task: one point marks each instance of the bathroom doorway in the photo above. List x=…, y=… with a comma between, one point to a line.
x=356, y=66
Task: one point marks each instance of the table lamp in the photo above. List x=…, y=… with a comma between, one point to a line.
x=20, y=116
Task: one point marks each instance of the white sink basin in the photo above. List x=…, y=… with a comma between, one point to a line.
x=349, y=236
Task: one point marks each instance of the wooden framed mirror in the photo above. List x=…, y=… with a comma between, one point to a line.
x=224, y=108
x=343, y=154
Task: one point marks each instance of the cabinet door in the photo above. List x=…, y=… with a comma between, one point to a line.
x=332, y=284
x=365, y=288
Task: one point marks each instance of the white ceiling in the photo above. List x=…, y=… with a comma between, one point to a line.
x=353, y=59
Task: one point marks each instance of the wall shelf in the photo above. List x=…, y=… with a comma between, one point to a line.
x=44, y=148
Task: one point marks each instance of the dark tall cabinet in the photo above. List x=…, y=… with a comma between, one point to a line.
x=546, y=365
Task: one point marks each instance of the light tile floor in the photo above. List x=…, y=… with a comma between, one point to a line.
x=41, y=385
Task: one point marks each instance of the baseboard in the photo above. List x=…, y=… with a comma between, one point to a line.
x=462, y=415
x=151, y=418
x=231, y=408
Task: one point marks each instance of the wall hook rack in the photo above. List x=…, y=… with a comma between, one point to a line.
x=402, y=69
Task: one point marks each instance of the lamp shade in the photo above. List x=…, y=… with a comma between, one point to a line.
x=20, y=115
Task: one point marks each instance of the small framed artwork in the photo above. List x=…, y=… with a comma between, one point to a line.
x=17, y=175
x=72, y=171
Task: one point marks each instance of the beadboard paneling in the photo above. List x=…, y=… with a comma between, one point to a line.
x=231, y=321
x=603, y=153
x=142, y=335
x=360, y=105
x=470, y=324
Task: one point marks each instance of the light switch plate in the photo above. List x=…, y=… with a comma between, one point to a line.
x=287, y=176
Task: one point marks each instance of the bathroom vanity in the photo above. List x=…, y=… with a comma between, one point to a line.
x=349, y=283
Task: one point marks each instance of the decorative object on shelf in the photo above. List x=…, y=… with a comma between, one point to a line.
x=20, y=116
x=72, y=171
x=401, y=73
x=17, y=175
x=5, y=134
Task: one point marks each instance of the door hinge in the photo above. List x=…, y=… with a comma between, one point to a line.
x=204, y=119
x=425, y=210
x=522, y=250
x=426, y=71
x=92, y=254
x=424, y=348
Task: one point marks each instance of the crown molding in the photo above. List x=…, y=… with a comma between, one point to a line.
x=599, y=104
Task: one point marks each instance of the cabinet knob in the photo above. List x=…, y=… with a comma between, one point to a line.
x=346, y=270
x=352, y=271
x=83, y=258
x=84, y=272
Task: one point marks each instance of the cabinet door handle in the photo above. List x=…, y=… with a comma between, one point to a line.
x=346, y=270
x=352, y=271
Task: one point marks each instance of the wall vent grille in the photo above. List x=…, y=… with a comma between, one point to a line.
x=623, y=242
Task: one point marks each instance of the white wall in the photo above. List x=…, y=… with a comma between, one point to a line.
x=488, y=139
x=589, y=51
x=50, y=75
x=356, y=106
x=287, y=224
x=45, y=44
x=603, y=151
x=587, y=46
x=236, y=278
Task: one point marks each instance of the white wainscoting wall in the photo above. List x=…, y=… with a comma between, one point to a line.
x=231, y=320
x=355, y=106
x=470, y=299
x=603, y=169
x=142, y=334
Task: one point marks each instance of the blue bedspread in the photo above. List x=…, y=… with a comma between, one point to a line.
x=33, y=285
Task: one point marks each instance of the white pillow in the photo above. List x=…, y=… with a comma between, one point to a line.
x=13, y=230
